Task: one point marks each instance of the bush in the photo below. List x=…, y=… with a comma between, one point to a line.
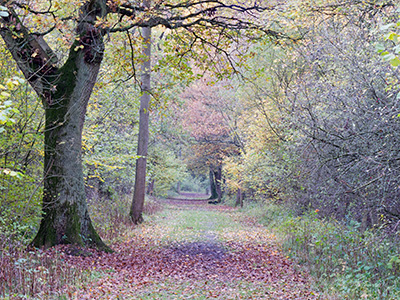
x=345, y=261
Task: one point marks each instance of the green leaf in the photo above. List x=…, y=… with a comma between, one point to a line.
x=396, y=49
x=380, y=48
x=395, y=62
x=387, y=26
x=392, y=36
x=389, y=56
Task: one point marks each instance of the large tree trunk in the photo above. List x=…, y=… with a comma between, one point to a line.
x=143, y=139
x=65, y=93
x=65, y=213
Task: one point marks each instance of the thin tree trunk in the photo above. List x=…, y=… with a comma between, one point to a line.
x=239, y=198
x=213, y=187
x=218, y=182
x=178, y=187
x=150, y=187
x=143, y=139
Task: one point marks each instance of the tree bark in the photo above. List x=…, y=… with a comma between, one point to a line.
x=65, y=93
x=239, y=198
x=213, y=187
x=65, y=213
x=150, y=187
x=218, y=181
x=143, y=139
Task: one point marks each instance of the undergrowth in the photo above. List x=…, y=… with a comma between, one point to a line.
x=111, y=217
x=36, y=274
x=344, y=261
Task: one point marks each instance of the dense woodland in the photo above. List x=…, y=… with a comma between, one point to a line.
x=294, y=104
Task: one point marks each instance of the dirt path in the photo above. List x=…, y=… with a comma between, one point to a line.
x=193, y=250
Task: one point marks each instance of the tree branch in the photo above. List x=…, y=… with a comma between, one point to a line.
x=33, y=55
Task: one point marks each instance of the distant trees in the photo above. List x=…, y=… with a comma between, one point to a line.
x=204, y=117
x=318, y=115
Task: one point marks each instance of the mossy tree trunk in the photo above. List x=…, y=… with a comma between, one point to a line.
x=65, y=213
x=65, y=92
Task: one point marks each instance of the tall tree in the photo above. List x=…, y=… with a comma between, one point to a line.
x=204, y=116
x=65, y=92
x=143, y=140
x=65, y=85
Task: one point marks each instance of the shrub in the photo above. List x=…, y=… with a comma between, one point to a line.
x=348, y=262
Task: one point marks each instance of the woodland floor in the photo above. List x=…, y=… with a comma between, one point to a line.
x=192, y=250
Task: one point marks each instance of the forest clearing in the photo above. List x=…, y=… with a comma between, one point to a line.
x=283, y=114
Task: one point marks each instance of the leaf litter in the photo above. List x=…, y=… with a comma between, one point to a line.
x=242, y=262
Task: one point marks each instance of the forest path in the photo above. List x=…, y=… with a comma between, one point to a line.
x=194, y=250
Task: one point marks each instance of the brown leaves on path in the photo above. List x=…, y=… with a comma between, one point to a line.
x=240, y=264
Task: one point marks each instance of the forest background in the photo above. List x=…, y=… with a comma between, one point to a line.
x=304, y=122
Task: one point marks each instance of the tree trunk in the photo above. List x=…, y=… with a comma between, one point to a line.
x=150, y=187
x=178, y=187
x=65, y=93
x=239, y=198
x=218, y=182
x=65, y=213
x=213, y=187
x=143, y=139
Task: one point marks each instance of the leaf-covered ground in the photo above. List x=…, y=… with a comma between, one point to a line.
x=191, y=250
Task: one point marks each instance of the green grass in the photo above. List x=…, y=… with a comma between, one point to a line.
x=205, y=289
x=192, y=225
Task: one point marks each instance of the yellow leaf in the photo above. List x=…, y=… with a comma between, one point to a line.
x=10, y=85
